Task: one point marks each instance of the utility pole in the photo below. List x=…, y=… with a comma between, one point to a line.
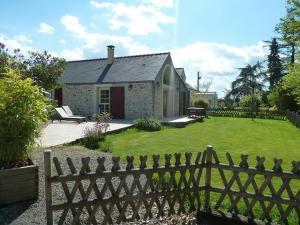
x=198, y=79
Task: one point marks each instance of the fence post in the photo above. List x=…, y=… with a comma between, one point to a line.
x=209, y=152
x=48, y=188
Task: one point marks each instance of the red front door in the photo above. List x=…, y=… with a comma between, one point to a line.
x=117, y=102
x=58, y=96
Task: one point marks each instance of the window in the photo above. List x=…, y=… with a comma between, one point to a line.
x=167, y=76
x=104, y=100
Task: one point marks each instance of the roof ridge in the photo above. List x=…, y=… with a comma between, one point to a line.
x=120, y=57
x=150, y=54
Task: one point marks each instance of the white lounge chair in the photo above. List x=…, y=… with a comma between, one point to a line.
x=70, y=113
x=68, y=110
x=64, y=116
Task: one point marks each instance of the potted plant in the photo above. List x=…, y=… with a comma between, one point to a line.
x=23, y=109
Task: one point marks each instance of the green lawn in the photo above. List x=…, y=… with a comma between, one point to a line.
x=269, y=138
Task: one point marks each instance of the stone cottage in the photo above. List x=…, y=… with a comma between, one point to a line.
x=128, y=87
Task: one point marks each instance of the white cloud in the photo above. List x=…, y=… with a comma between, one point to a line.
x=138, y=20
x=62, y=41
x=101, y=4
x=45, y=28
x=135, y=48
x=215, y=61
x=18, y=42
x=93, y=25
x=75, y=54
x=22, y=39
x=96, y=42
x=160, y=3
x=72, y=24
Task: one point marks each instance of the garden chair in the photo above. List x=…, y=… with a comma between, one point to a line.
x=68, y=110
x=70, y=113
x=64, y=116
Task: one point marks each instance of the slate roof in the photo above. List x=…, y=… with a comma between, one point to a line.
x=124, y=69
x=179, y=71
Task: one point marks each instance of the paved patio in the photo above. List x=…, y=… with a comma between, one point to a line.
x=178, y=119
x=58, y=133
x=181, y=121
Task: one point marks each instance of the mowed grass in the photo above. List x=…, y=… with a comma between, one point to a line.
x=261, y=137
x=269, y=138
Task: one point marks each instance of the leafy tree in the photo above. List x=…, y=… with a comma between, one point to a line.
x=291, y=82
x=289, y=28
x=4, y=59
x=275, y=68
x=13, y=61
x=42, y=67
x=248, y=83
x=23, y=109
x=45, y=69
x=282, y=98
x=228, y=100
x=251, y=102
x=221, y=103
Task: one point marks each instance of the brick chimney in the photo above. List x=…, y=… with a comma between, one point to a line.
x=110, y=54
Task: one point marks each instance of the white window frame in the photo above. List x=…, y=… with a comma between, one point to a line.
x=106, y=105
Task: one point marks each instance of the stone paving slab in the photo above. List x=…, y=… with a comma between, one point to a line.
x=58, y=133
x=177, y=119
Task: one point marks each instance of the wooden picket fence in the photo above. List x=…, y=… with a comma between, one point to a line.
x=293, y=117
x=110, y=196
x=262, y=114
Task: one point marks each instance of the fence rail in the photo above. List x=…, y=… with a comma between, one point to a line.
x=114, y=195
x=293, y=117
x=262, y=114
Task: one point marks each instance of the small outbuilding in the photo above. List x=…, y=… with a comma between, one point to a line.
x=129, y=87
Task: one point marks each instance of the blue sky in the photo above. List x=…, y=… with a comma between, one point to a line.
x=211, y=36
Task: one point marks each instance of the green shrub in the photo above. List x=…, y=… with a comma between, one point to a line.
x=94, y=135
x=23, y=109
x=149, y=124
x=91, y=138
x=251, y=102
x=201, y=103
x=102, y=121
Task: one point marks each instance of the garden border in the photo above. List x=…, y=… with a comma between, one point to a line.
x=241, y=113
x=19, y=184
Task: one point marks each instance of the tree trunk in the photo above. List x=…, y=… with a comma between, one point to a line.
x=293, y=54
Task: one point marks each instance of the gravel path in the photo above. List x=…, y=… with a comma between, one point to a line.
x=34, y=212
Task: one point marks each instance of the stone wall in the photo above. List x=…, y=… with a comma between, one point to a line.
x=139, y=101
x=183, y=89
x=82, y=99
x=176, y=96
x=158, y=97
x=173, y=90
